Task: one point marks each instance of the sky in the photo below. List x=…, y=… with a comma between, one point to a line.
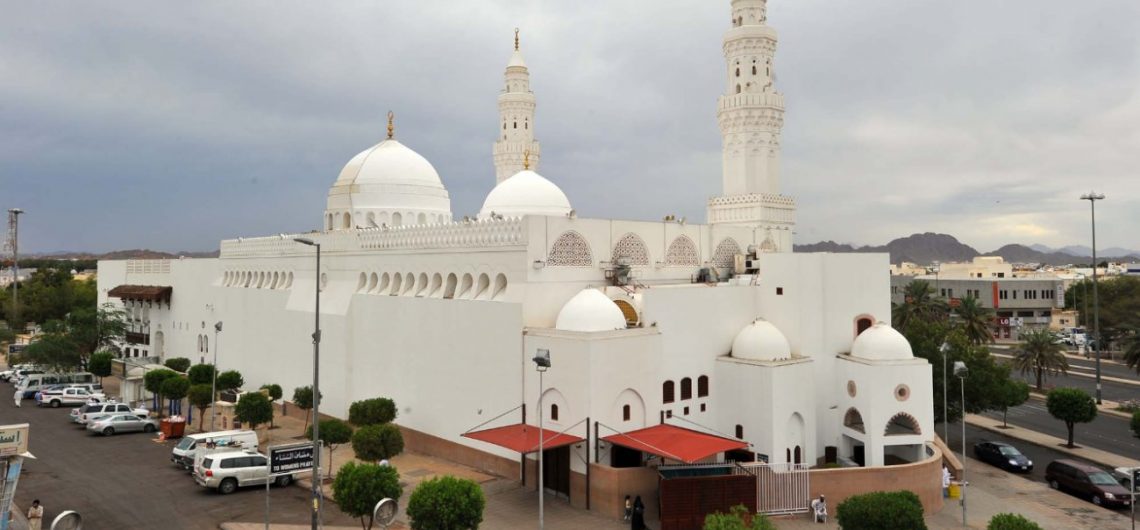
x=173, y=125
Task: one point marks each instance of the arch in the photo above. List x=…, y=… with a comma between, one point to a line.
x=199, y=344
x=553, y=399
x=668, y=390
x=625, y=412
x=362, y=282
x=902, y=424
x=347, y=221
x=383, y=218
x=632, y=249
x=205, y=344
x=289, y=283
x=465, y=286
x=372, y=220
x=397, y=219
x=436, y=285
x=738, y=71
x=449, y=291
x=328, y=221
x=422, y=284
x=632, y=318
x=482, y=288
x=797, y=455
x=853, y=420
x=500, y=289
x=385, y=281
x=629, y=408
x=409, y=283
x=703, y=386
x=738, y=88
x=570, y=250
x=397, y=283
x=682, y=253
x=686, y=388
x=373, y=280
x=863, y=322
x=421, y=219
x=159, y=344
x=276, y=281
x=553, y=412
x=725, y=255
x=753, y=69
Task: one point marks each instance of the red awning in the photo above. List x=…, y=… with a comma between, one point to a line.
x=675, y=443
x=523, y=438
x=153, y=293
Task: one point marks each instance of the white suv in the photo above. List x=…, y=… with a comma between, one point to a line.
x=226, y=471
x=85, y=413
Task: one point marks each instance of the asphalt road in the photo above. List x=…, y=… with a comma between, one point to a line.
x=1106, y=432
x=128, y=481
x=1082, y=375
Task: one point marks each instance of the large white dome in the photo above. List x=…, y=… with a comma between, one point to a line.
x=526, y=193
x=590, y=310
x=761, y=341
x=391, y=162
x=387, y=184
x=881, y=343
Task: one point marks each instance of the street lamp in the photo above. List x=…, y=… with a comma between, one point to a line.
x=316, y=386
x=541, y=363
x=945, y=349
x=1092, y=197
x=961, y=372
x=214, y=384
x=14, y=219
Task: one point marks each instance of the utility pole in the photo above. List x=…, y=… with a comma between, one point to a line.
x=1092, y=197
x=14, y=245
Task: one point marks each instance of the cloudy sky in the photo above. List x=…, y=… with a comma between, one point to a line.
x=172, y=125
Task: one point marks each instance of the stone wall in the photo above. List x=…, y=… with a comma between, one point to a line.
x=923, y=478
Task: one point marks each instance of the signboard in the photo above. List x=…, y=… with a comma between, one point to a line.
x=16, y=349
x=13, y=439
x=289, y=459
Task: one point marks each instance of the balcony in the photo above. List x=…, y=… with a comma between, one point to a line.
x=134, y=337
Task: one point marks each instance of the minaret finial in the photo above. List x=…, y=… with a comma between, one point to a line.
x=526, y=159
x=516, y=39
x=391, y=127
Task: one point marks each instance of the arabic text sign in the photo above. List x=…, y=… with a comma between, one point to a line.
x=290, y=459
x=13, y=439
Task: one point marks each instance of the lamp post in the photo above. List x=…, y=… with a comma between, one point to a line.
x=214, y=383
x=961, y=371
x=541, y=363
x=316, y=386
x=945, y=349
x=14, y=218
x=1092, y=197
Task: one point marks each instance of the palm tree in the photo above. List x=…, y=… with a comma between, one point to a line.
x=919, y=303
x=1039, y=353
x=1131, y=344
x=975, y=320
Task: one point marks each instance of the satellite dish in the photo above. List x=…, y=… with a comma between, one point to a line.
x=383, y=514
x=67, y=520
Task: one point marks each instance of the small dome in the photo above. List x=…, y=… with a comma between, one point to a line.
x=761, y=341
x=881, y=343
x=516, y=60
x=526, y=193
x=389, y=162
x=590, y=310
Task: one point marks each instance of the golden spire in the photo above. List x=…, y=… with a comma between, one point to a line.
x=516, y=39
x=391, y=127
x=526, y=159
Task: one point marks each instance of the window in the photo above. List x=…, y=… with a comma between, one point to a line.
x=686, y=389
x=702, y=407
x=686, y=411
x=256, y=461
x=753, y=69
x=779, y=291
x=740, y=432
x=516, y=125
x=1014, y=292
x=554, y=413
x=737, y=72
x=1001, y=275
x=737, y=89
x=668, y=414
x=862, y=325
x=667, y=390
x=625, y=413
x=703, y=387
x=798, y=455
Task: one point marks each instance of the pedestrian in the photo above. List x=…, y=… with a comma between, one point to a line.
x=35, y=515
x=628, y=508
x=819, y=509
x=637, y=522
x=18, y=397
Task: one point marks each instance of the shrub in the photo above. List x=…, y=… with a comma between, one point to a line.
x=99, y=364
x=1072, y=406
x=374, y=411
x=373, y=443
x=153, y=382
x=274, y=391
x=303, y=398
x=358, y=487
x=881, y=510
x=178, y=364
x=1011, y=521
x=230, y=380
x=446, y=503
x=201, y=374
x=738, y=519
x=254, y=409
x=334, y=432
x=175, y=388
x=201, y=396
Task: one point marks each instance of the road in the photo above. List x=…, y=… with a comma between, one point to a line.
x=127, y=480
x=1118, y=382
x=1106, y=432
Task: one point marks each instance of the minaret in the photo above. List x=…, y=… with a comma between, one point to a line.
x=516, y=120
x=751, y=116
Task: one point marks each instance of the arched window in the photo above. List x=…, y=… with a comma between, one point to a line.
x=753, y=69
x=737, y=72
x=853, y=420
x=682, y=253
x=205, y=344
x=862, y=324
x=504, y=126
x=632, y=250
x=902, y=424
x=797, y=454
x=740, y=432
x=788, y=454
x=737, y=88
x=553, y=412
x=516, y=125
x=570, y=250
x=667, y=390
x=347, y=220
x=703, y=386
x=686, y=388
x=625, y=414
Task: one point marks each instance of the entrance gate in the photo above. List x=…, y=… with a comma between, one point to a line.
x=781, y=489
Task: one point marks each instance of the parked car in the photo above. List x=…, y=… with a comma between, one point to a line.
x=1121, y=474
x=117, y=423
x=1002, y=455
x=68, y=396
x=14, y=373
x=228, y=470
x=85, y=413
x=185, y=453
x=1086, y=481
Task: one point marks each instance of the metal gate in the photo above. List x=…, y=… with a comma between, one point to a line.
x=780, y=488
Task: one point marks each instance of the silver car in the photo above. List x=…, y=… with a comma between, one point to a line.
x=116, y=423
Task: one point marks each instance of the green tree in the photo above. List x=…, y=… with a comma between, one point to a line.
x=334, y=432
x=1131, y=346
x=881, y=510
x=373, y=411
x=54, y=350
x=99, y=364
x=1040, y=354
x=373, y=443
x=96, y=329
x=358, y=487
x=275, y=393
x=303, y=398
x=1072, y=406
x=1136, y=423
x=739, y=518
x=975, y=320
x=48, y=294
x=201, y=397
x=230, y=380
x=153, y=381
x=446, y=503
x=178, y=364
x=254, y=409
x=919, y=303
x=986, y=374
x=202, y=374
x=1011, y=521
x=175, y=388
x=1012, y=393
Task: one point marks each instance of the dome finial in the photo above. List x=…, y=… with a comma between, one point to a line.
x=516, y=39
x=526, y=159
x=391, y=127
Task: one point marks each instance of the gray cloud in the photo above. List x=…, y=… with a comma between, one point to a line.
x=171, y=126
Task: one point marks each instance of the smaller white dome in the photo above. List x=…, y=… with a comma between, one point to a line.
x=525, y=193
x=761, y=341
x=881, y=343
x=590, y=310
x=516, y=60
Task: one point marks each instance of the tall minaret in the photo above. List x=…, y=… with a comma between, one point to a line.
x=751, y=116
x=516, y=120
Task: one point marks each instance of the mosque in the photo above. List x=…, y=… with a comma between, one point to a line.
x=668, y=342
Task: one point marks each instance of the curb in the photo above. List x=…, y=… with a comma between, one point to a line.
x=1106, y=406
x=1015, y=433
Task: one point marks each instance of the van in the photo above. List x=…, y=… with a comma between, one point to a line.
x=33, y=383
x=185, y=453
x=1086, y=481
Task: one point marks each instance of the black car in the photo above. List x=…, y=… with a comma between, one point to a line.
x=1003, y=455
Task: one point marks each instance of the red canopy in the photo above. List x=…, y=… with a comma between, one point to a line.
x=523, y=438
x=675, y=443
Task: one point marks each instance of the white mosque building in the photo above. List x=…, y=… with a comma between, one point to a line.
x=670, y=342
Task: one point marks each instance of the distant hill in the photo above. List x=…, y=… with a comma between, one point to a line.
x=930, y=247
x=123, y=254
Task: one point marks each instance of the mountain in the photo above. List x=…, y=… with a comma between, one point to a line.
x=929, y=247
x=1080, y=251
x=1041, y=248
x=122, y=254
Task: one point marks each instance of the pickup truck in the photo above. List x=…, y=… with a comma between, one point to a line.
x=69, y=396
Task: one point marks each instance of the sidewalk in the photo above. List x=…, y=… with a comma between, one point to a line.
x=1104, y=458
